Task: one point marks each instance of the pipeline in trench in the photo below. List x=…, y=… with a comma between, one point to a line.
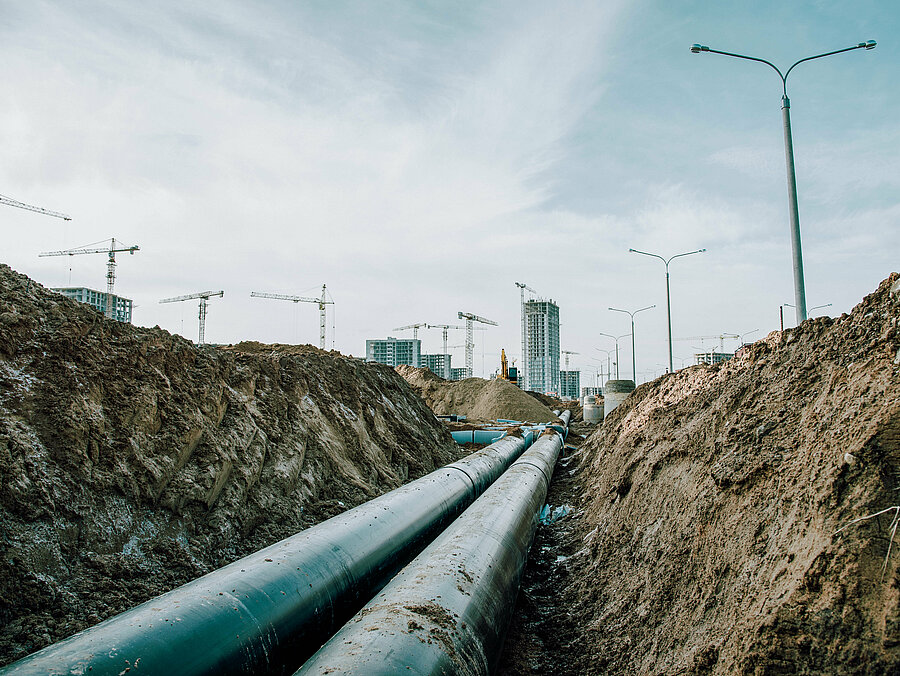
x=267, y=612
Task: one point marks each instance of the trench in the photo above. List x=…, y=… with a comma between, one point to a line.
x=485, y=530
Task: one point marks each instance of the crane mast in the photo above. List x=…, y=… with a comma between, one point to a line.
x=567, y=353
x=446, y=328
x=470, y=336
x=204, y=297
x=321, y=302
x=110, y=266
x=523, y=378
x=10, y=202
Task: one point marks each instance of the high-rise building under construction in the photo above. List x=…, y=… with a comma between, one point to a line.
x=541, y=349
x=394, y=352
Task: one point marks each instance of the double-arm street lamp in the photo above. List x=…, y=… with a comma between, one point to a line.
x=799, y=288
x=668, y=302
x=608, y=366
x=633, y=359
x=615, y=338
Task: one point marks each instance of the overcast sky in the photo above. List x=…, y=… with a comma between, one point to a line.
x=420, y=157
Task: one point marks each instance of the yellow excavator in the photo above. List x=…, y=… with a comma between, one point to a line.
x=507, y=372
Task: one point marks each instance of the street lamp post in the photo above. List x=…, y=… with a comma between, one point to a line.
x=633, y=359
x=747, y=333
x=799, y=288
x=608, y=353
x=615, y=338
x=668, y=302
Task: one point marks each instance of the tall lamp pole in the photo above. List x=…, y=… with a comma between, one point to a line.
x=668, y=302
x=608, y=366
x=633, y=359
x=799, y=288
x=615, y=338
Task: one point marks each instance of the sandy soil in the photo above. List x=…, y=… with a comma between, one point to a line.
x=132, y=461
x=476, y=398
x=709, y=507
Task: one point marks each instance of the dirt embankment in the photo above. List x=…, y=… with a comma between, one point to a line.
x=475, y=398
x=708, y=505
x=132, y=461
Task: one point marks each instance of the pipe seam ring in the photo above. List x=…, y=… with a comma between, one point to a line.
x=542, y=470
x=467, y=475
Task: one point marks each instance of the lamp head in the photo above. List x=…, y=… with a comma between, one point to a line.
x=870, y=44
x=696, y=49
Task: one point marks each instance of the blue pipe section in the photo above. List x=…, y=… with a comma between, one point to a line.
x=491, y=433
x=477, y=436
x=269, y=611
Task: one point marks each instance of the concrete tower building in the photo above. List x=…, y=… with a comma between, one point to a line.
x=394, y=352
x=436, y=363
x=542, y=347
x=121, y=307
x=570, y=384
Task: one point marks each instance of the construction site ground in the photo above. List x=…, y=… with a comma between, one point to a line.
x=738, y=518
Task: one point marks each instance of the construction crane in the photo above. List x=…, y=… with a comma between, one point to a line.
x=110, y=266
x=322, y=302
x=721, y=338
x=567, y=353
x=446, y=328
x=470, y=336
x=414, y=327
x=10, y=202
x=523, y=287
x=204, y=296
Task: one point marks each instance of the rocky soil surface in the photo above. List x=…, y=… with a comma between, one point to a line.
x=725, y=517
x=476, y=398
x=132, y=461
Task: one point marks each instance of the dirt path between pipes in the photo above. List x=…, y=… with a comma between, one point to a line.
x=540, y=632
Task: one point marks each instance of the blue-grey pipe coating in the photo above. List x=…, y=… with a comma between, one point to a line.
x=447, y=611
x=269, y=611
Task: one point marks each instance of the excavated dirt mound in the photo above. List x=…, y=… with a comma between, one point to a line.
x=132, y=461
x=709, y=507
x=555, y=404
x=475, y=398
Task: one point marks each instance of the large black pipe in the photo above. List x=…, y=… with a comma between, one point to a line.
x=269, y=611
x=447, y=611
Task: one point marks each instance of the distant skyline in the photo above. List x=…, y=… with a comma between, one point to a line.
x=419, y=158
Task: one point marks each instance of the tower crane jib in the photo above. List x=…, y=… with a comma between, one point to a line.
x=10, y=202
x=470, y=336
x=414, y=327
x=204, y=296
x=322, y=301
x=111, y=252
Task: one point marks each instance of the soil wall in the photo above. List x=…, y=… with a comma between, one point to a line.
x=132, y=461
x=711, y=503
